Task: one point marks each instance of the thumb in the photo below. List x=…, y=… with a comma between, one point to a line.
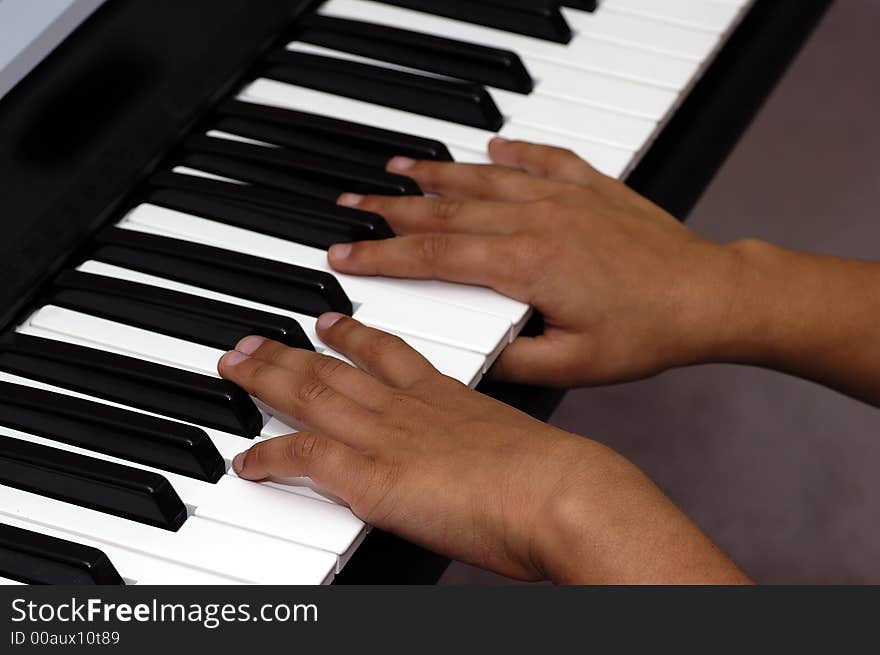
x=549, y=360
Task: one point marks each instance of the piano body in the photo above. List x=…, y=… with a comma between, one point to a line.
x=167, y=176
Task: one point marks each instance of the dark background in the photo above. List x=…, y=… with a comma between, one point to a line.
x=781, y=473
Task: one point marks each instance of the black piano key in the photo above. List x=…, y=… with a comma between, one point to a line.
x=468, y=61
x=182, y=315
x=298, y=209
x=450, y=100
x=245, y=171
x=261, y=280
x=317, y=142
x=585, y=5
x=537, y=18
x=328, y=173
x=35, y=558
x=362, y=144
x=355, y=142
x=152, y=387
x=99, y=485
x=157, y=442
x=289, y=225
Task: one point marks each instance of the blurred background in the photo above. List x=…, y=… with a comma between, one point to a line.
x=782, y=474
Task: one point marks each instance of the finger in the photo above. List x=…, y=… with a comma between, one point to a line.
x=533, y=360
x=330, y=464
x=305, y=395
x=347, y=380
x=543, y=161
x=483, y=260
x=473, y=181
x=419, y=214
x=384, y=355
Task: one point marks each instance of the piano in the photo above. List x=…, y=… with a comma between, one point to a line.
x=168, y=173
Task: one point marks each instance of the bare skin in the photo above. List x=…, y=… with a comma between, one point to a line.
x=626, y=292
x=419, y=454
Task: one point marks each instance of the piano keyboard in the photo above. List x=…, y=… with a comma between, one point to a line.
x=118, y=435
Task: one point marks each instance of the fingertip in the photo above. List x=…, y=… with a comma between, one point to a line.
x=249, y=345
x=498, y=142
x=401, y=164
x=328, y=320
x=238, y=462
x=230, y=360
x=339, y=252
x=349, y=200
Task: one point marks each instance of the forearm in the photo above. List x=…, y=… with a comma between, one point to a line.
x=612, y=525
x=812, y=316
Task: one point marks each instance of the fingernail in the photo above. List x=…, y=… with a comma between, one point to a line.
x=328, y=320
x=401, y=163
x=249, y=345
x=233, y=358
x=340, y=251
x=238, y=462
x=498, y=141
x=349, y=200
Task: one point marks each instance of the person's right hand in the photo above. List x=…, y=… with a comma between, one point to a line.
x=625, y=290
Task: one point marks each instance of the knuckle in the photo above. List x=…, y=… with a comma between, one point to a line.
x=544, y=210
x=433, y=248
x=258, y=371
x=383, y=345
x=304, y=447
x=528, y=256
x=445, y=209
x=564, y=155
x=312, y=391
x=326, y=368
x=257, y=455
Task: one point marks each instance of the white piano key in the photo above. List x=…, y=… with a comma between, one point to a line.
x=463, y=365
x=534, y=110
x=464, y=156
x=201, y=544
x=6, y=582
x=382, y=302
x=600, y=90
x=134, y=567
x=289, y=96
x=714, y=17
x=249, y=506
x=123, y=339
x=573, y=119
x=639, y=32
x=582, y=52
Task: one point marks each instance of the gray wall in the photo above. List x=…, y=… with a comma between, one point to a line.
x=781, y=473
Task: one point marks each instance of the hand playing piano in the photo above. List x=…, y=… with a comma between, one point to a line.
x=419, y=454
x=625, y=290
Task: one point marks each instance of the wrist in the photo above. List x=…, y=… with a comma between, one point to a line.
x=612, y=525
x=736, y=304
